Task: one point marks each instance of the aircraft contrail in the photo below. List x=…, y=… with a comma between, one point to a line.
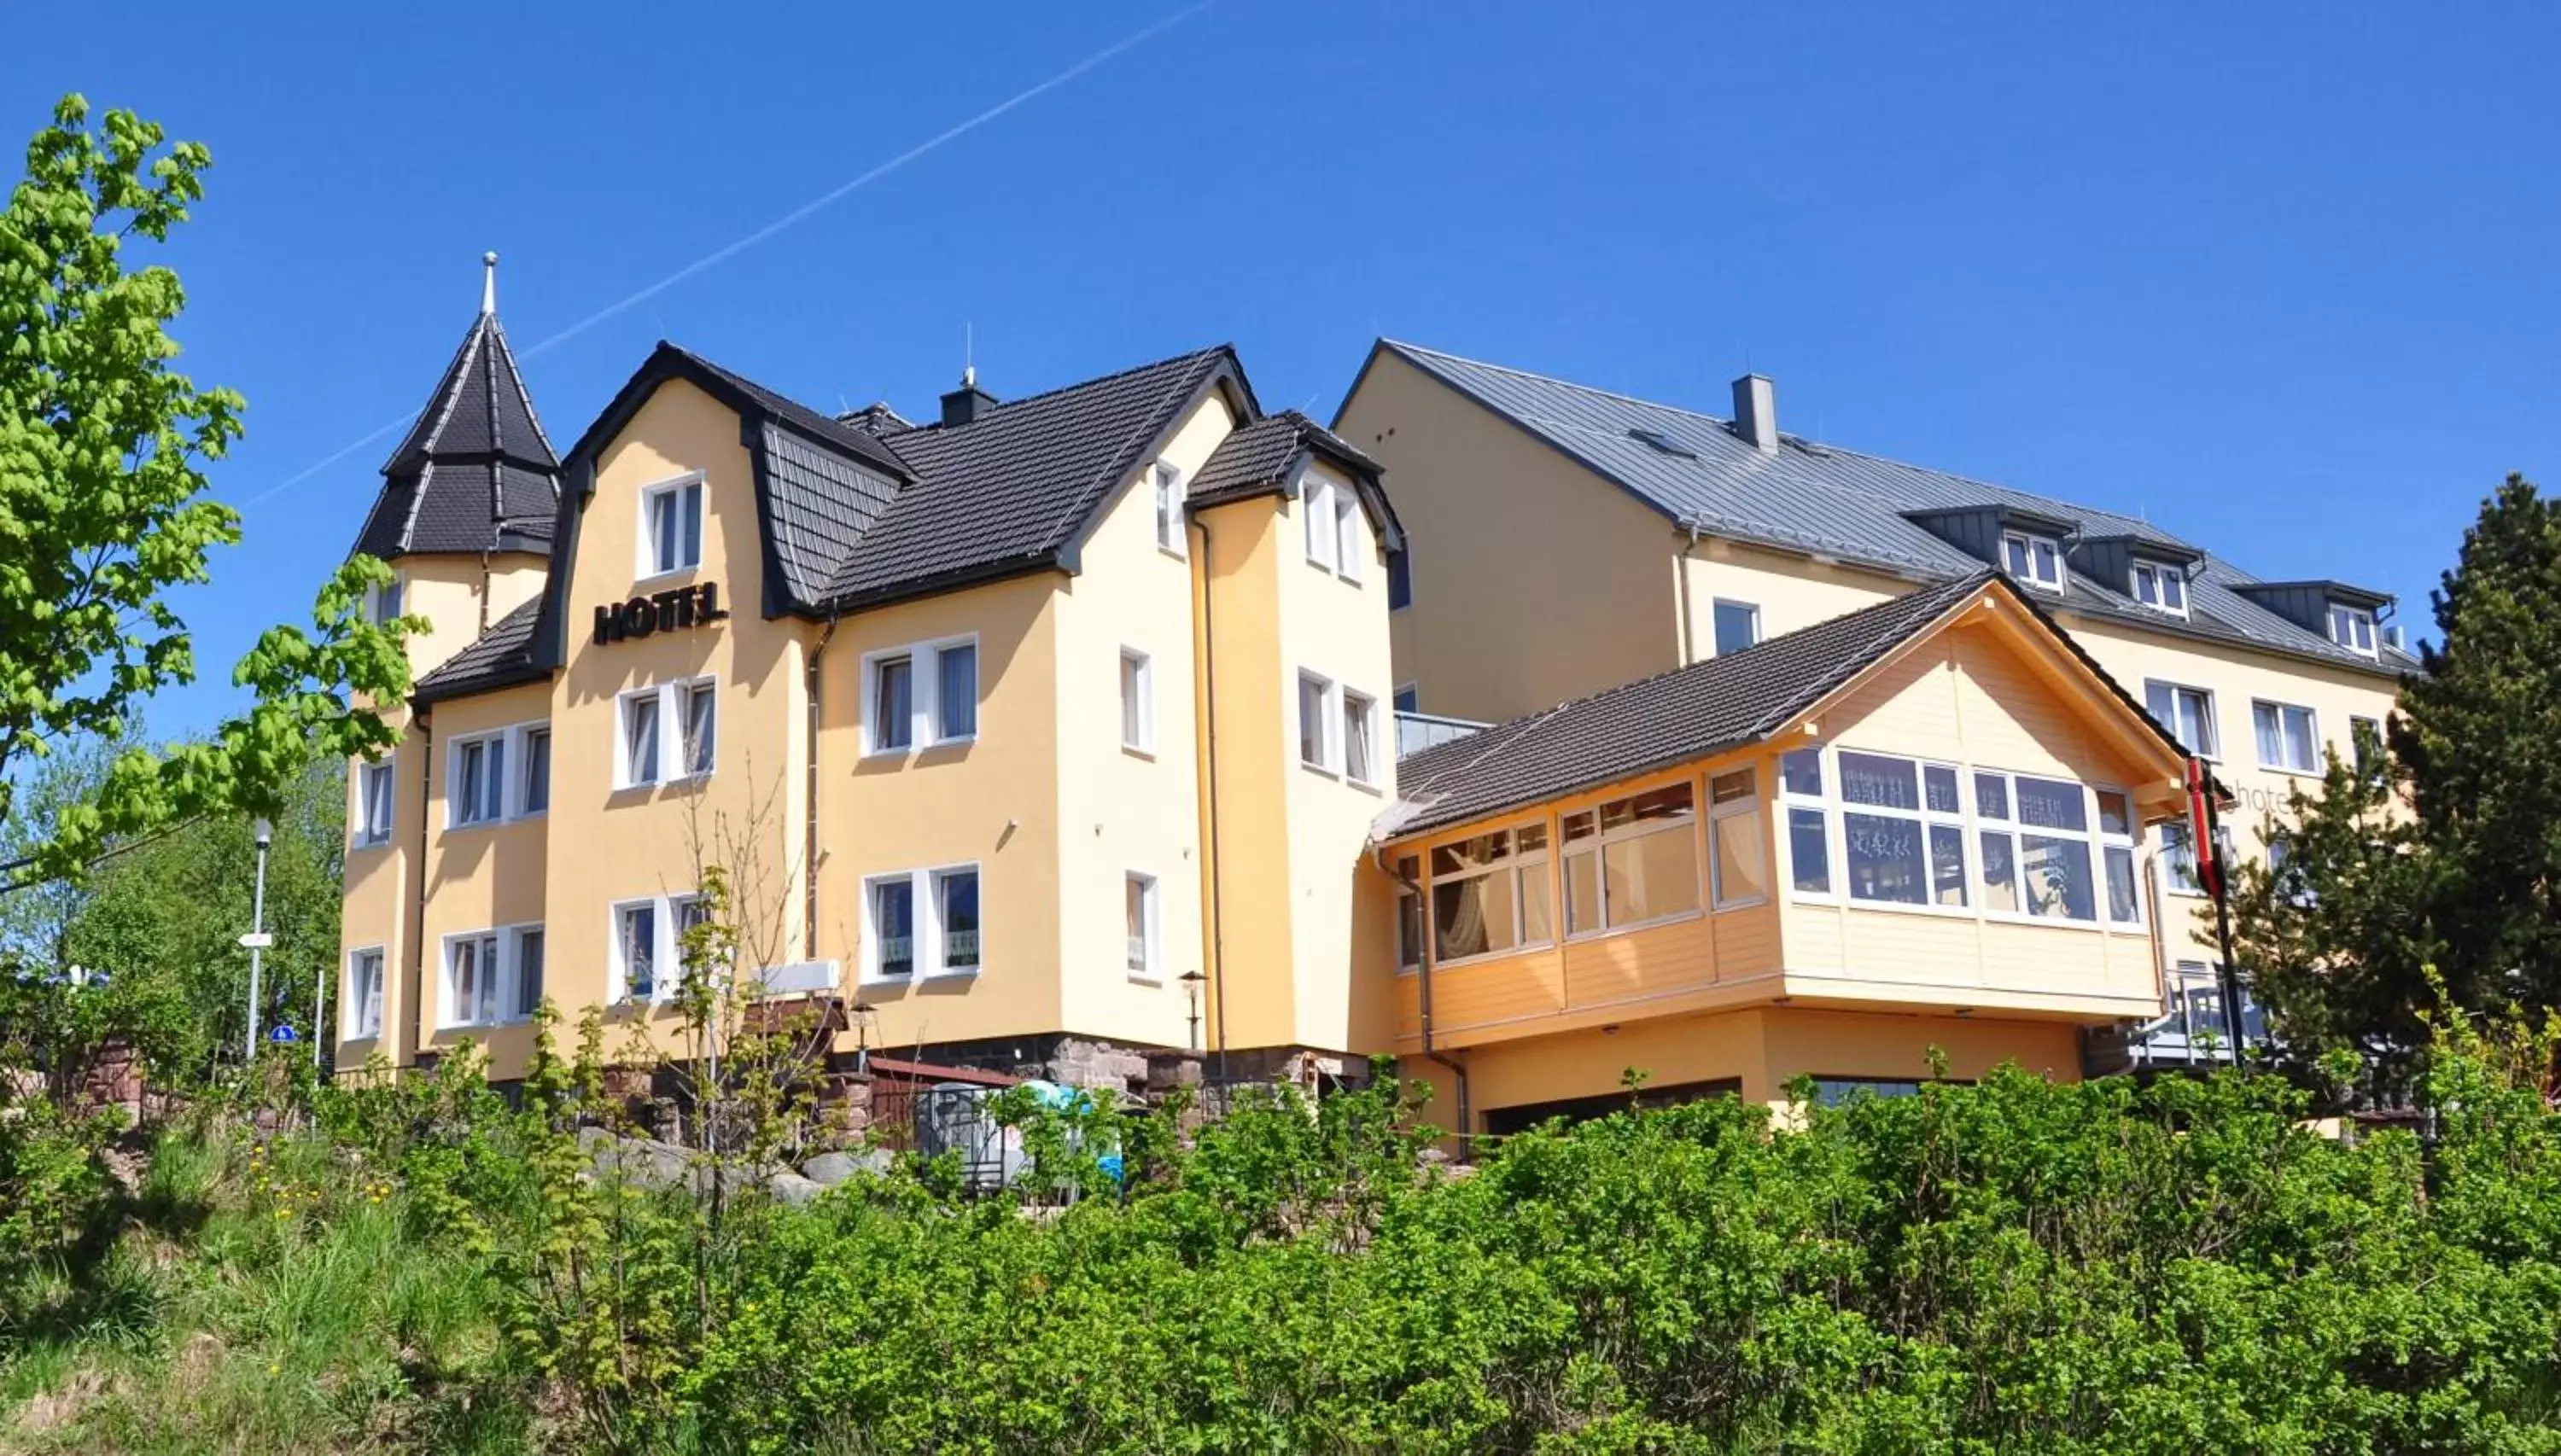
x=799, y=214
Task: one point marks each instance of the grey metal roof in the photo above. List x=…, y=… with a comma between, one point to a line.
x=475, y=473
x=1015, y=487
x=1818, y=498
x=498, y=658
x=1724, y=702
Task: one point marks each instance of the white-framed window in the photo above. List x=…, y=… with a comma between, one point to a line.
x=1903, y=829
x=1738, y=625
x=1146, y=947
x=2365, y=746
x=2352, y=627
x=1360, y=737
x=671, y=527
x=1489, y=894
x=1737, y=853
x=1316, y=519
x=1168, y=482
x=374, y=786
x=1631, y=861
x=1347, y=531
x=648, y=957
x=2162, y=589
x=1138, y=701
x=1316, y=696
x=2036, y=560
x=2054, y=849
x=1809, y=844
x=921, y=923
x=359, y=1006
x=921, y=696
x=382, y=601
x=2179, y=873
x=2289, y=739
x=666, y=733
x=1408, y=698
x=2188, y=714
x=497, y=775
x=1410, y=927
x=492, y=976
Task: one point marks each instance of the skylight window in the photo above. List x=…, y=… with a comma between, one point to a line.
x=2036, y=560
x=1662, y=443
x=2162, y=589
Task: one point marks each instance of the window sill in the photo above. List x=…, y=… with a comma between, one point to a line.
x=1177, y=552
x=957, y=740
x=1135, y=751
x=1322, y=770
x=670, y=574
x=360, y=846
x=2289, y=772
x=883, y=756
x=1580, y=937
x=1364, y=785
x=1147, y=978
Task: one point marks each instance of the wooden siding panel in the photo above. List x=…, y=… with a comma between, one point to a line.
x=1747, y=943
x=1640, y=963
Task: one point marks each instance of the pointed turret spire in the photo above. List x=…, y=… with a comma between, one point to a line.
x=475, y=473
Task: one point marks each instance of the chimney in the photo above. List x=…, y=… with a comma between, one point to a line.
x=967, y=403
x=1756, y=411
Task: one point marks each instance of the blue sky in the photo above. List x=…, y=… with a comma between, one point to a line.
x=2276, y=276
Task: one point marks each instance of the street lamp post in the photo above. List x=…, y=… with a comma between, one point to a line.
x=256, y=938
x=1192, y=981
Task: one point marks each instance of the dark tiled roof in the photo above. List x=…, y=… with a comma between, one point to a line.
x=1810, y=497
x=475, y=473
x=1015, y=487
x=1706, y=708
x=501, y=657
x=820, y=503
x=799, y=417
x=1257, y=456
x=876, y=419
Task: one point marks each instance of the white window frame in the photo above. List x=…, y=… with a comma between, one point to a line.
x=520, y=775
x=1413, y=913
x=1347, y=531
x=681, y=697
x=2354, y=628
x=513, y=784
x=1165, y=484
x=1329, y=708
x=667, y=968
x=2022, y=551
x=1720, y=603
x=925, y=696
x=927, y=931
x=360, y=1010
x=2210, y=716
x=1524, y=866
x=1317, y=522
x=367, y=775
x=1138, y=699
x=1752, y=807
x=1596, y=845
x=1363, y=731
x=669, y=727
x=2177, y=847
x=1408, y=697
x=1926, y=819
x=1149, y=942
x=2311, y=736
x=503, y=979
x=645, y=558
x=1792, y=800
x=384, y=603
x=2165, y=581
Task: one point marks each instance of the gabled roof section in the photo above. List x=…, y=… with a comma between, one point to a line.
x=1708, y=707
x=1014, y=488
x=501, y=657
x=475, y=473
x=1819, y=499
x=1264, y=457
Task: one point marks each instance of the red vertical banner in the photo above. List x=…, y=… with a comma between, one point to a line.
x=2200, y=829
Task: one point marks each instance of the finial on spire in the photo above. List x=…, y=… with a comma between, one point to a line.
x=488, y=283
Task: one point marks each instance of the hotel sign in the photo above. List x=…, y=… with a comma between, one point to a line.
x=660, y=612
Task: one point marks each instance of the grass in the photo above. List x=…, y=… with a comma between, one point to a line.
x=246, y=1300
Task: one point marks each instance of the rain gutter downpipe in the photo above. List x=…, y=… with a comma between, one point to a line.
x=810, y=838
x=1458, y=1070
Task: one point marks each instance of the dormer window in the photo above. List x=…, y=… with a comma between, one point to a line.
x=2036, y=560
x=2162, y=589
x=2352, y=627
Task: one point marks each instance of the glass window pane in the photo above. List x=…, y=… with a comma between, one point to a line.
x=1730, y=788
x=960, y=911
x=2179, y=859
x=1800, y=770
x=700, y=723
x=1887, y=783
x=1991, y=796
x=2047, y=568
x=2050, y=803
x=1347, y=550
x=1476, y=851
x=1409, y=925
x=529, y=972
x=2116, y=816
x=1582, y=894
x=1311, y=721
x=1538, y=915
x=1473, y=917
x=2173, y=592
x=2014, y=554
x=2195, y=723
x=2302, y=754
x=894, y=926
x=640, y=738
x=690, y=521
x=1741, y=865
x=1885, y=859
x=1738, y=625
x=1135, y=915
x=1946, y=865
x=1133, y=697
x=1529, y=839
x=2272, y=747
x=956, y=696
x=639, y=952
x=537, y=770
x=892, y=702
x=1939, y=789
x=1318, y=520
x=2056, y=878
x=1808, y=853
x=1581, y=826
x=1649, y=876
x=1674, y=801
x=662, y=531
x=1356, y=737
x=1999, y=877
x=2122, y=905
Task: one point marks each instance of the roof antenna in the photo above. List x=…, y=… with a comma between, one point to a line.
x=488, y=283
x=968, y=356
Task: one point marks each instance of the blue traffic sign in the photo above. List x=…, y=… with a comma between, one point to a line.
x=282, y=1034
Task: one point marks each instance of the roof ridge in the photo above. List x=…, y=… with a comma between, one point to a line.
x=1085, y=504
x=1725, y=421
x=1001, y=406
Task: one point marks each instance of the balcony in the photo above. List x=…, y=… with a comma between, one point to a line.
x=1416, y=732
x=2194, y=1036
